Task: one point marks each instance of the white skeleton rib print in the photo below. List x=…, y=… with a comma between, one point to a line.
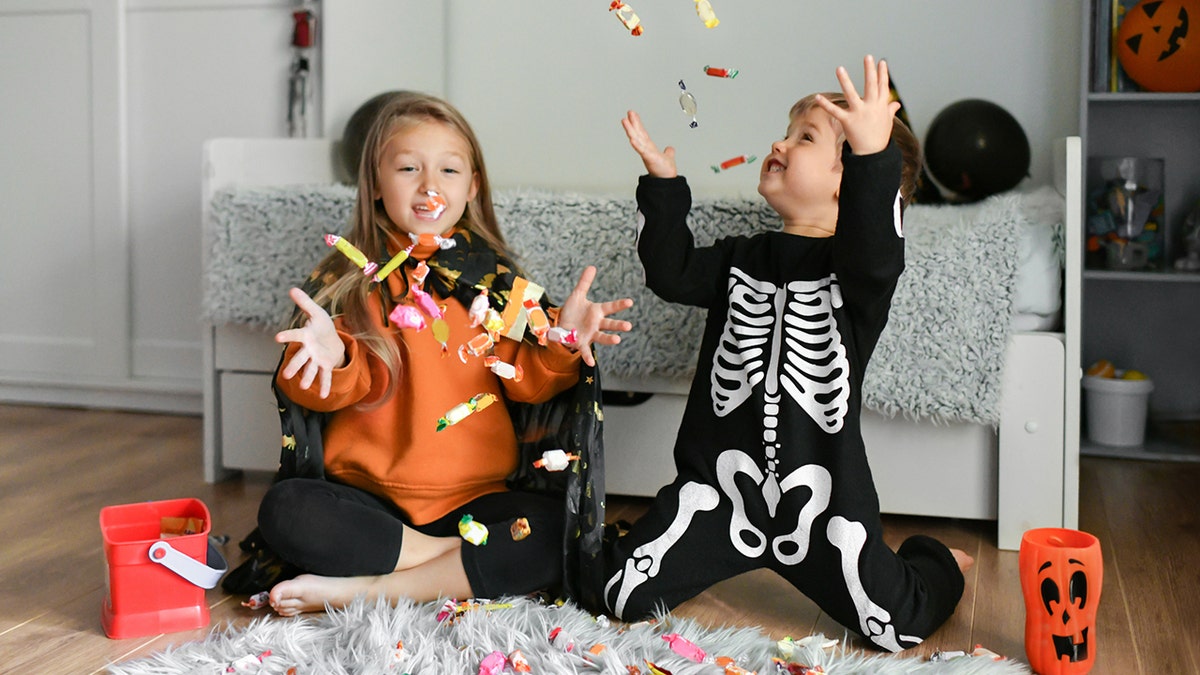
x=783, y=337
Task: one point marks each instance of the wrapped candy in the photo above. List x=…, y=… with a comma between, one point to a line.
x=463, y=410
x=519, y=663
x=493, y=323
x=705, y=11
x=506, y=370
x=627, y=16
x=477, y=346
x=656, y=670
x=419, y=273
x=555, y=460
x=721, y=72
x=407, y=316
x=350, y=251
x=479, y=308
x=520, y=529
x=539, y=323
x=258, y=600
x=493, y=664
x=731, y=667
x=688, y=103
x=434, y=203
x=391, y=266
x=730, y=163
x=427, y=304
x=560, y=639
x=685, y=648
x=473, y=530
x=567, y=338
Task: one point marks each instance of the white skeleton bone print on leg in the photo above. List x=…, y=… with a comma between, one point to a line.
x=647, y=559
x=783, y=336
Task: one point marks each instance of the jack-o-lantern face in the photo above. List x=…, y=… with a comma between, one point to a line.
x=1065, y=598
x=1158, y=44
x=1061, y=576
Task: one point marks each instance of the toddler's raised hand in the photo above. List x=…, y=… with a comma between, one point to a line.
x=867, y=122
x=590, y=319
x=660, y=164
x=321, y=350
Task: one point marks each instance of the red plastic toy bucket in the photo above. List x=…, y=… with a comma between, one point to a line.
x=155, y=555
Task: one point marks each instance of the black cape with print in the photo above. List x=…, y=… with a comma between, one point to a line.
x=571, y=421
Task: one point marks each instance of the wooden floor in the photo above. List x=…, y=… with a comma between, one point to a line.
x=58, y=467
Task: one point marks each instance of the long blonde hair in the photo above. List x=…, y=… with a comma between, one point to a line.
x=345, y=291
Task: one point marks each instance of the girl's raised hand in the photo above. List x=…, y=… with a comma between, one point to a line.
x=658, y=164
x=590, y=319
x=867, y=122
x=321, y=350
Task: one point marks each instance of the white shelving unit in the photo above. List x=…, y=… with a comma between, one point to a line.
x=1147, y=320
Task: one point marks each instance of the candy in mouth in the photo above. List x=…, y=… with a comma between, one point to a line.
x=434, y=203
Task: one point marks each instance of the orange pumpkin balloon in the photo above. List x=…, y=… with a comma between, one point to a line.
x=1061, y=574
x=1158, y=44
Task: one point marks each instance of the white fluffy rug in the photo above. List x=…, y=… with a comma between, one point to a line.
x=409, y=638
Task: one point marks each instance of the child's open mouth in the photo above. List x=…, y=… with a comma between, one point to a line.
x=774, y=166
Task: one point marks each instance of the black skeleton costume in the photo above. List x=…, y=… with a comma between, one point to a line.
x=771, y=466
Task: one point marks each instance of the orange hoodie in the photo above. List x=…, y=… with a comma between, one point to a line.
x=393, y=449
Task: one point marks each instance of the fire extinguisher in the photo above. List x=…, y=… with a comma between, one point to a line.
x=299, y=89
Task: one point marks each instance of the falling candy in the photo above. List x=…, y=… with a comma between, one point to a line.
x=555, y=460
x=506, y=370
x=520, y=529
x=688, y=103
x=705, y=11
x=407, y=316
x=539, y=324
x=627, y=16
x=730, y=163
x=477, y=346
x=391, y=266
x=472, y=530
x=419, y=273
x=559, y=638
x=479, y=307
x=461, y=411
x=721, y=72
x=347, y=249
x=567, y=338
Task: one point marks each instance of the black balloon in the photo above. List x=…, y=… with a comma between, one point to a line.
x=975, y=148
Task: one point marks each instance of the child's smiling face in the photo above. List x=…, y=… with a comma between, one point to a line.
x=802, y=176
x=420, y=158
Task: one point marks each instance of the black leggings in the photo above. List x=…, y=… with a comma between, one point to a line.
x=337, y=530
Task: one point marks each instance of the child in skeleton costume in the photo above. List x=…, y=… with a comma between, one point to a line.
x=772, y=470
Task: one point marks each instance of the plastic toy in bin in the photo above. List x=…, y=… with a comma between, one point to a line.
x=1117, y=404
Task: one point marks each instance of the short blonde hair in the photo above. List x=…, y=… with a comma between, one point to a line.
x=910, y=147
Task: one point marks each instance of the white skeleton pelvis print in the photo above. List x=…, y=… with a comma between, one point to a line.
x=783, y=337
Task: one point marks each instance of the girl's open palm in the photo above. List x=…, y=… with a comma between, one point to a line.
x=321, y=350
x=867, y=119
x=660, y=164
x=590, y=319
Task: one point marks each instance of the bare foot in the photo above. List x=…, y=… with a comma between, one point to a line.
x=311, y=593
x=964, y=561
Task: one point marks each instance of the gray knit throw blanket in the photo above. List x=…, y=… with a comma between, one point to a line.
x=940, y=357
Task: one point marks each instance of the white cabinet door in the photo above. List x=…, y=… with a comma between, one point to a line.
x=63, y=266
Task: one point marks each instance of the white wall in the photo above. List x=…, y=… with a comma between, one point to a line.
x=545, y=82
x=106, y=102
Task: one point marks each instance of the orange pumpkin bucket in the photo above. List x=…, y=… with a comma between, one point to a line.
x=1061, y=576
